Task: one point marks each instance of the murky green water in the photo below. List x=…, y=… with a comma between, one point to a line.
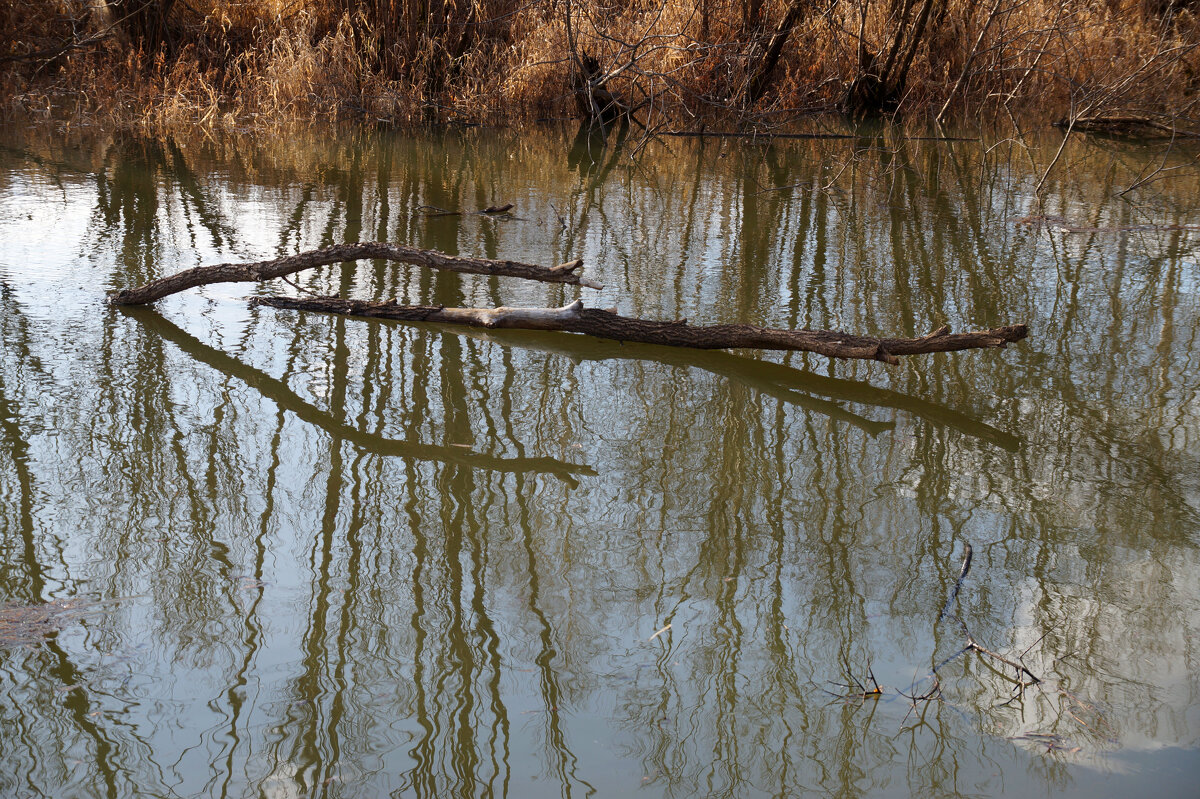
x=294, y=555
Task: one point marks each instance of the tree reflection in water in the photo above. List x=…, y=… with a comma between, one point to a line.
x=344, y=558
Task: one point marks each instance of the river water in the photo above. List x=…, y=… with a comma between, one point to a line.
x=247, y=552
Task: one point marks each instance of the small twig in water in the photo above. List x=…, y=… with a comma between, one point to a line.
x=431, y=211
x=298, y=287
x=972, y=644
x=934, y=692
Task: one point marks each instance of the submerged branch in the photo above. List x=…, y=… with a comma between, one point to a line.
x=974, y=645
x=575, y=318
x=962, y=575
x=279, y=267
x=1019, y=668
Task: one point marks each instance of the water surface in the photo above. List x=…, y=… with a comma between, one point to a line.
x=283, y=554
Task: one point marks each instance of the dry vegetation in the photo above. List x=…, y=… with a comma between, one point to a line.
x=163, y=64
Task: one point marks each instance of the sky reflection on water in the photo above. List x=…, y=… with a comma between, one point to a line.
x=314, y=556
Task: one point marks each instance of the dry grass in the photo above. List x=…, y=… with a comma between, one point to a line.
x=229, y=63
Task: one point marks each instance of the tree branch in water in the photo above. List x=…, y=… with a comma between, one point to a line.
x=279, y=267
x=575, y=318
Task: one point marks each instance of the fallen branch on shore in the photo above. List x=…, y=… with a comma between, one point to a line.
x=342, y=253
x=575, y=318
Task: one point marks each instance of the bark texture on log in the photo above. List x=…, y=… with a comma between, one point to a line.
x=280, y=267
x=575, y=318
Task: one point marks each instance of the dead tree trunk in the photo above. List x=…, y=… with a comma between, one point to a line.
x=596, y=102
x=879, y=84
x=143, y=21
x=574, y=318
x=279, y=267
x=766, y=67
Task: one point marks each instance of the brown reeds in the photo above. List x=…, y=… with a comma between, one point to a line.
x=165, y=64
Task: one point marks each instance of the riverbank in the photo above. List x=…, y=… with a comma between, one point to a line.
x=161, y=64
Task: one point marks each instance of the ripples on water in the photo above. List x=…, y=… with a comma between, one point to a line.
x=320, y=556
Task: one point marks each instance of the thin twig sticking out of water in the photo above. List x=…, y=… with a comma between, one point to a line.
x=1019, y=667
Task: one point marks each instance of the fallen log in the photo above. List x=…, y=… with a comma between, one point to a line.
x=1140, y=126
x=575, y=318
x=280, y=267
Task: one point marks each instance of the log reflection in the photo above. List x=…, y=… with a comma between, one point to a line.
x=277, y=391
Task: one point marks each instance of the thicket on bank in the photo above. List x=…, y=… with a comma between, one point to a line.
x=163, y=63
